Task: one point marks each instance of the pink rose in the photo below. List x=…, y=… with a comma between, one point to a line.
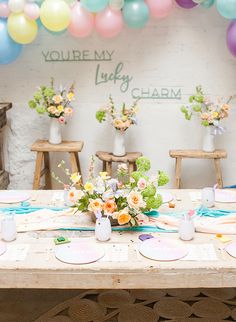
x=62, y=119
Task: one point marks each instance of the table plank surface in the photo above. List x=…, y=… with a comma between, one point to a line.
x=41, y=269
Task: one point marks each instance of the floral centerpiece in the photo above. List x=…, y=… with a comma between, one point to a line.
x=210, y=114
x=124, y=199
x=121, y=120
x=56, y=103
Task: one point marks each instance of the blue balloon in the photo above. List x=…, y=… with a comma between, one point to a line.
x=135, y=13
x=9, y=49
x=227, y=8
x=207, y=3
x=94, y=5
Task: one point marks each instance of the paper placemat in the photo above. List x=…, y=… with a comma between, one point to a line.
x=15, y=252
x=116, y=253
x=201, y=252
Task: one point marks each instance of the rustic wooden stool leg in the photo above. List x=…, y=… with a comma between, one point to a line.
x=104, y=166
x=131, y=167
x=37, y=173
x=218, y=173
x=78, y=165
x=109, y=168
x=74, y=167
x=48, y=181
x=177, y=172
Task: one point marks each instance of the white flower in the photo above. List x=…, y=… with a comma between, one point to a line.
x=112, y=184
x=121, y=193
x=109, y=194
x=135, y=200
x=132, y=180
x=95, y=205
x=99, y=186
x=142, y=184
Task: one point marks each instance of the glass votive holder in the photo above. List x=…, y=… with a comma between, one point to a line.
x=208, y=197
x=8, y=227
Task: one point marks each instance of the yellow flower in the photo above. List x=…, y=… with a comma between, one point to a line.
x=51, y=109
x=124, y=118
x=117, y=123
x=57, y=99
x=75, y=177
x=123, y=217
x=60, y=108
x=103, y=175
x=215, y=114
x=89, y=187
x=70, y=96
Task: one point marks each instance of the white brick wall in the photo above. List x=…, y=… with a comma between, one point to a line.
x=185, y=49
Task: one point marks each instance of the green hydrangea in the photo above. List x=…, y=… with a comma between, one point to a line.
x=101, y=116
x=136, y=175
x=143, y=164
x=40, y=109
x=150, y=191
x=153, y=202
x=32, y=104
x=162, y=178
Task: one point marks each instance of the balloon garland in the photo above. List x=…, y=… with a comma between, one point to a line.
x=21, y=19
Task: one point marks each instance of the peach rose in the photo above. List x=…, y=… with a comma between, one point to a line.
x=109, y=206
x=123, y=217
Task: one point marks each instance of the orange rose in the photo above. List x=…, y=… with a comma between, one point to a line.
x=123, y=217
x=109, y=206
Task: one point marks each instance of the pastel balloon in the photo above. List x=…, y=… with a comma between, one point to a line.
x=4, y=10
x=16, y=6
x=116, y=4
x=9, y=49
x=94, y=5
x=55, y=15
x=82, y=21
x=109, y=23
x=32, y=11
x=231, y=38
x=136, y=13
x=227, y=8
x=161, y=8
x=22, y=29
x=186, y=4
x=207, y=3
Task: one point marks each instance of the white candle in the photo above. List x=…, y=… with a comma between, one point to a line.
x=103, y=229
x=8, y=228
x=208, y=197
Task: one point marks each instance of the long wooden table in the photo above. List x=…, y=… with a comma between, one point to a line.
x=41, y=269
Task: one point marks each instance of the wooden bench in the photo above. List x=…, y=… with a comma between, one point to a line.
x=198, y=154
x=43, y=148
x=108, y=158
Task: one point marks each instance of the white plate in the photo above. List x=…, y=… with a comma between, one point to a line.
x=79, y=253
x=3, y=248
x=166, y=196
x=231, y=249
x=162, y=250
x=13, y=196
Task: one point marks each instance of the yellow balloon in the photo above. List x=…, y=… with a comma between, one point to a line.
x=21, y=29
x=55, y=15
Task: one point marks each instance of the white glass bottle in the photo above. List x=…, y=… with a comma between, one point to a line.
x=8, y=227
x=186, y=229
x=208, y=197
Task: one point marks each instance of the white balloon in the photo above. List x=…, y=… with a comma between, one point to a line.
x=116, y=4
x=16, y=6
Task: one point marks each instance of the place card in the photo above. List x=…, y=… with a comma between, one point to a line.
x=116, y=253
x=15, y=252
x=200, y=252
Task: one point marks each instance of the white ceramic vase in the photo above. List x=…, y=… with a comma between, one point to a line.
x=209, y=139
x=55, y=131
x=103, y=229
x=119, y=143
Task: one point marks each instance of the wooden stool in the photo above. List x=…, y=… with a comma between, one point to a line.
x=43, y=148
x=198, y=154
x=107, y=158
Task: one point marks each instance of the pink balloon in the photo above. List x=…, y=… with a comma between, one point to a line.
x=4, y=10
x=160, y=8
x=109, y=22
x=32, y=11
x=82, y=21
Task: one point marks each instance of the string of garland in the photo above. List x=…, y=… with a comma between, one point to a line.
x=20, y=20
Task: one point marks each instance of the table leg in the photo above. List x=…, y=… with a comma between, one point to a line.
x=109, y=168
x=177, y=172
x=218, y=173
x=37, y=173
x=74, y=166
x=48, y=179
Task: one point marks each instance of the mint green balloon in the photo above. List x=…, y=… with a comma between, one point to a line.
x=135, y=13
x=207, y=3
x=227, y=8
x=95, y=5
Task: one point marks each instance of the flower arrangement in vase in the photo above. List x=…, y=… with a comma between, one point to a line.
x=121, y=120
x=210, y=113
x=57, y=104
x=124, y=199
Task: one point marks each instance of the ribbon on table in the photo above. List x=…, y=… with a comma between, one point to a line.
x=20, y=210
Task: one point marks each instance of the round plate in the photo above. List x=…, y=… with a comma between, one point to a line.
x=162, y=250
x=13, y=196
x=225, y=195
x=3, y=248
x=231, y=249
x=79, y=253
x=166, y=196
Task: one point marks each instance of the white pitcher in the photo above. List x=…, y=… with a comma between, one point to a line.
x=55, y=131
